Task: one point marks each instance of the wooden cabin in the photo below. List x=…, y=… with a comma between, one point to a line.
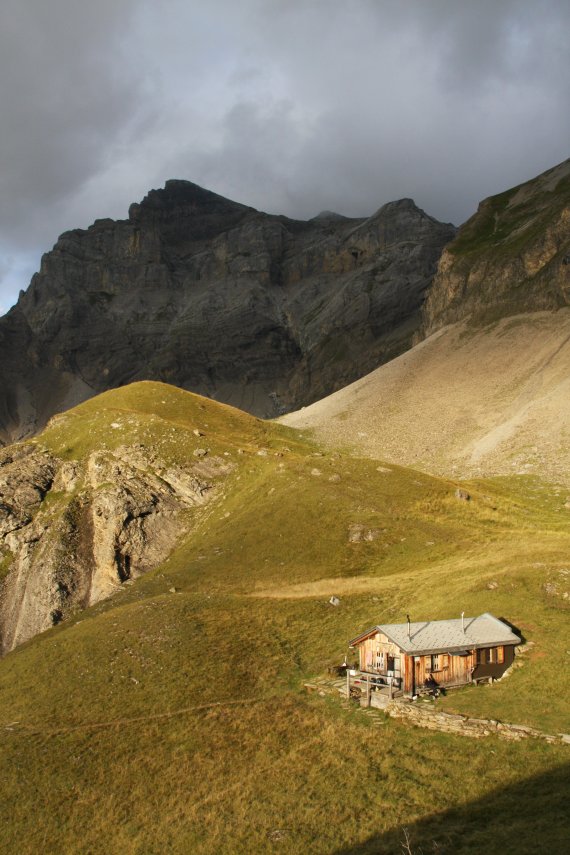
x=411, y=658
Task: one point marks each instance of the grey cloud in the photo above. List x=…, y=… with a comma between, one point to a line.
x=288, y=105
x=5, y=267
x=442, y=102
x=64, y=97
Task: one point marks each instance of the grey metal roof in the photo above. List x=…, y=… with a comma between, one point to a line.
x=439, y=636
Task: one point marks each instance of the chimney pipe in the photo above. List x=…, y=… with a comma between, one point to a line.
x=409, y=635
x=463, y=622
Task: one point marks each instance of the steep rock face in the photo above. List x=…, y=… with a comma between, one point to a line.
x=71, y=535
x=260, y=311
x=512, y=256
x=26, y=476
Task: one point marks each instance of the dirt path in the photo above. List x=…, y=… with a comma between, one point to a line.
x=31, y=729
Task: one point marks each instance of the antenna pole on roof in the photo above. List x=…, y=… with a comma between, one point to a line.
x=463, y=622
x=409, y=635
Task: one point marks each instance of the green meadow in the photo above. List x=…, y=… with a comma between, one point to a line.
x=173, y=717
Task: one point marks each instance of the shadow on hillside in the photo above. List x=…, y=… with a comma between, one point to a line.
x=529, y=817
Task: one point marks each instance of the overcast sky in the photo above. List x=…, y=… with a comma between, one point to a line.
x=292, y=106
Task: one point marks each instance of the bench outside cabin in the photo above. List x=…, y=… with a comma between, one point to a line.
x=411, y=658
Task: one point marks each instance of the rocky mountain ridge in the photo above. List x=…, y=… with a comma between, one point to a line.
x=511, y=256
x=260, y=311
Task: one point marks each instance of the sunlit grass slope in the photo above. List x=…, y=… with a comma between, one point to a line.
x=159, y=416
x=172, y=718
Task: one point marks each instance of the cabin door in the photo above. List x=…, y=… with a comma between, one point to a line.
x=417, y=675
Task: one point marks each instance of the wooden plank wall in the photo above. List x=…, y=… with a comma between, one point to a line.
x=379, y=644
x=417, y=671
x=452, y=669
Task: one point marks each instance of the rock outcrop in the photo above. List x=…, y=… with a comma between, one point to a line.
x=512, y=256
x=72, y=534
x=260, y=311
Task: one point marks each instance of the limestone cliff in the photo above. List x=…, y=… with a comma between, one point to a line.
x=260, y=311
x=512, y=256
x=72, y=533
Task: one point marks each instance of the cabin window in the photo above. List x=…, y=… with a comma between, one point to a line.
x=435, y=660
x=491, y=656
x=496, y=655
x=380, y=659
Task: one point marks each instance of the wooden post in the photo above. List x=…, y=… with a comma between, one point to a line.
x=348, y=683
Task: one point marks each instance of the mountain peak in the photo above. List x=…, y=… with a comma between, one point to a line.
x=195, y=289
x=180, y=194
x=329, y=215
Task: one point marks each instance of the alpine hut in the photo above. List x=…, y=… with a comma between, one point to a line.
x=411, y=658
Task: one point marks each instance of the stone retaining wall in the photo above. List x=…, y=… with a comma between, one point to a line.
x=423, y=716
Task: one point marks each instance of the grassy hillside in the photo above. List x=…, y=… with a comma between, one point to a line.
x=159, y=416
x=172, y=718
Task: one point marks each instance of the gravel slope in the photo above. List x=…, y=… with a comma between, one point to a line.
x=465, y=402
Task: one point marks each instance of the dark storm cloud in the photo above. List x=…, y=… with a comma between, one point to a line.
x=289, y=105
x=441, y=101
x=65, y=96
